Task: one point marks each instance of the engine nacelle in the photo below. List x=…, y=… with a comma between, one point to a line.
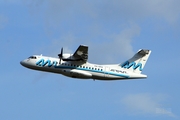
x=68, y=57
x=77, y=73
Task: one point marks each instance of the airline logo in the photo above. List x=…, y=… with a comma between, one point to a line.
x=134, y=65
x=49, y=63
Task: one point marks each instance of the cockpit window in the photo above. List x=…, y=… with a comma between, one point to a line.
x=32, y=57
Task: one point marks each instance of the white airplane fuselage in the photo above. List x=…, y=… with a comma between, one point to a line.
x=80, y=69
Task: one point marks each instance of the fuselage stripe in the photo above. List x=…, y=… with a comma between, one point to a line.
x=97, y=71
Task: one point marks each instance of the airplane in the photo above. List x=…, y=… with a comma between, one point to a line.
x=76, y=65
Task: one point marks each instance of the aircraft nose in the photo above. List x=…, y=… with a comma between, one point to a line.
x=23, y=63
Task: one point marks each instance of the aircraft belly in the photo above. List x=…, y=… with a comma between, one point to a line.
x=76, y=73
x=105, y=76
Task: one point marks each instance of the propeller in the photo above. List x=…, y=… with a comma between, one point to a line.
x=60, y=55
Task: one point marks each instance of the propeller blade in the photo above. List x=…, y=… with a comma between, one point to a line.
x=61, y=52
x=60, y=60
x=60, y=55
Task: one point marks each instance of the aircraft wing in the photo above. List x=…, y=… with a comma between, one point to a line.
x=81, y=53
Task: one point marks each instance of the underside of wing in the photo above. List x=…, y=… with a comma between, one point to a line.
x=81, y=53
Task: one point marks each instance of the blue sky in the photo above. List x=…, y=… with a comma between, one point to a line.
x=114, y=30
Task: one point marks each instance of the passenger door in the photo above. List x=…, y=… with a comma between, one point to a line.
x=106, y=72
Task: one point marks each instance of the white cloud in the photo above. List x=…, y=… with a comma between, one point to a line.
x=105, y=19
x=146, y=104
x=140, y=9
x=117, y=48
x=108, y=10
x=54, y=47
x=113, y=51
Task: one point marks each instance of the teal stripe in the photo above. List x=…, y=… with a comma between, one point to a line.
x=97, y=71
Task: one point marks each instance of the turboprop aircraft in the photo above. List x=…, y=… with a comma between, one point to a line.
x=76, y=65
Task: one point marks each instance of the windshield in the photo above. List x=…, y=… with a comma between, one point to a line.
x=32, y=57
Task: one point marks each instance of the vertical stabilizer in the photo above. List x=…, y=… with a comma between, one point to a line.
x=137, y=62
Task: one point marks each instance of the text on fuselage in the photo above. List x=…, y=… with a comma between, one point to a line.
x=118, y=71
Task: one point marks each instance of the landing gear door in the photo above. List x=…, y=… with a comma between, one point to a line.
x=106, y=72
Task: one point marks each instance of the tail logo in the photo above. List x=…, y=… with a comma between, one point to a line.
x=128, y=65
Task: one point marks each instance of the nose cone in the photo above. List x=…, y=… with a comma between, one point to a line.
x=27, y=63
x=22, y=63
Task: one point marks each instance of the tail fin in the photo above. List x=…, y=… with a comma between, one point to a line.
x=137, y=62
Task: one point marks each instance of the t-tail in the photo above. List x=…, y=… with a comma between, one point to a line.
x=137, y=62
